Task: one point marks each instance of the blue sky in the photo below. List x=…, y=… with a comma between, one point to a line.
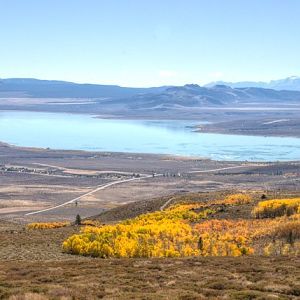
x=150, y=43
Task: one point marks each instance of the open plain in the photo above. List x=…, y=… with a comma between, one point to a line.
x=87, y=183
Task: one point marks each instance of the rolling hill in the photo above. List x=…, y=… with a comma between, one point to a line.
x=192, y=95
x=166, y=101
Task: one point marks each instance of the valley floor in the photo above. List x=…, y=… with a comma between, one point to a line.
x=37, y=179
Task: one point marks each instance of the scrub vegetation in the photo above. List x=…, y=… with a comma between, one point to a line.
x=202, y=246
x=193, y=230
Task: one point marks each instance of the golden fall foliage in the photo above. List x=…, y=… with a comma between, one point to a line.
x=234, y=199
x=159, y=234
x=47, y=225
x=185, y=230
x=285, y=237
x=90, y=223
x=277, y=207
x=237, y=199
x=163, y=238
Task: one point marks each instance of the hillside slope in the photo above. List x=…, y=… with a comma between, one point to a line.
x=42, y=271
x=192, y=95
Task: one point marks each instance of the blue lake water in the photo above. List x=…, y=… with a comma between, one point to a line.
x=84, y=132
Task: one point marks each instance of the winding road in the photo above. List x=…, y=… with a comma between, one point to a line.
x=98, y=188
x=102, y=187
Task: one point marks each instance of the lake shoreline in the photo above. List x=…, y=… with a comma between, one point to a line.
x=162, y=137
x=134, y=155
x=205, y=124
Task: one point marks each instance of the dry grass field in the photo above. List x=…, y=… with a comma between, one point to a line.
x=33, y=266
x=189, y=278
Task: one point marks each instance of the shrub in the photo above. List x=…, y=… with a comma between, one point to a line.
x=78, y=220
x=278, y=247
x=47, y=225
x=276, y=208
x=91, y=223
x=289, y=231
x=234, y=199
x=158, y=234
x=237, y=199
x=162, y=238
x=173, y=233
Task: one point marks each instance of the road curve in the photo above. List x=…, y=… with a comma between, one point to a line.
x=101, y=187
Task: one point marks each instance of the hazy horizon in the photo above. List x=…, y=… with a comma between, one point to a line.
x=148, y=86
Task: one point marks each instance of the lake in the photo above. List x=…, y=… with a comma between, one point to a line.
x=85, y=132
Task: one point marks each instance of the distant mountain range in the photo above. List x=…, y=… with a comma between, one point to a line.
x=110, y=99
x=28, y=87
x=193, y=95
x=291, y=84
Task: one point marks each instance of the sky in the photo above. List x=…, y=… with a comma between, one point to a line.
x=150, y=42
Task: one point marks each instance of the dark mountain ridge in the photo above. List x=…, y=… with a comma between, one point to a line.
x=36, y=88
x=111, y=99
